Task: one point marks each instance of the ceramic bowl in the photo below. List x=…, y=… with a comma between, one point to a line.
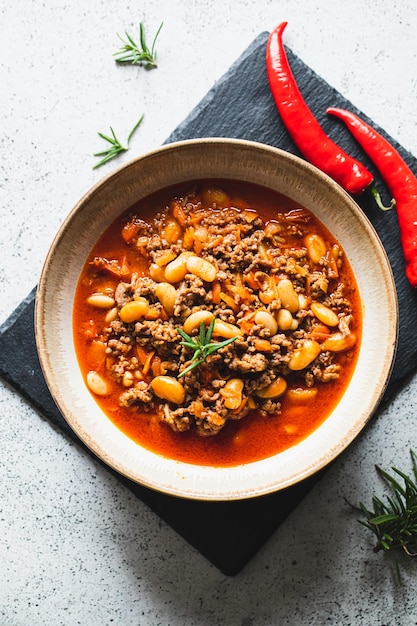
x=226, y=159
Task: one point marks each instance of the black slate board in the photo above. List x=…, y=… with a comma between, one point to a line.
x=239, y=105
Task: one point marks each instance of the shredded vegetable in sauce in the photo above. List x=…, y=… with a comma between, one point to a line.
x=217, y=323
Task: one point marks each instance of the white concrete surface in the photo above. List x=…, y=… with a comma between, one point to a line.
x=75, y=546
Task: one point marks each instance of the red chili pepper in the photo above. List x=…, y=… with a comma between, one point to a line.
x=304, y=128
x=399, y=178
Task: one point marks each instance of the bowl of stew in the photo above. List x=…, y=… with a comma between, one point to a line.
x=216, y=319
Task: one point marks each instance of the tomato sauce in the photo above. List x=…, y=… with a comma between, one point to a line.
x=249, y=439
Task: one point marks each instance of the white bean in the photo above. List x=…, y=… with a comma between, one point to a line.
x=157, y=273
x=302, y=394
x=325, y=314
x=226, y=330
x=287, y=295
x=273, y=390
x=338, y=342
x=101, y=300
x=304, y=355
x=134, y=310
x=196, y=319
x=128, y=379
x=168, y=388
x=166, y=294
x=176, y=270
x=265, y=319
x=201, y=268
x=284, y=319
x=316, y=247
x=165, y=257
x=97, y=384
x=232, y=393
x=111, y=315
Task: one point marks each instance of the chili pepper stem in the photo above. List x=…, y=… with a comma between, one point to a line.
x=377, y=197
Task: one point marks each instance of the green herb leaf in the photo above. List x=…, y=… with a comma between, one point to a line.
x=201, y=345
x=116, y=147
x=394, y=522
x=136, y=54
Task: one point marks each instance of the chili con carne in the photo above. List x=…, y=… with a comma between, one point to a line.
x=283, y=289
x=305, y=129
x=400, y=180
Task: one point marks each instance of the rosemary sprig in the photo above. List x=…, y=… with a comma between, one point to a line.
x=394, y=522
x=136, y=54
x=116, y=147
x=201, y=345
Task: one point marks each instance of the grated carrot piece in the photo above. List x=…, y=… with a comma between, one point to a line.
x=188, y=239
x=262, y=345
x=147, y=364
x=251, y=280
x=198, y=246
x=216, y=290
x=216, y=241
x=153, y=314
x=179, y=214
x=197, y=218
x=142, y=354
x=320, y=332
x=118, y=268
x=239, y=289
x=197, y=408
x=163, y=315
x=229, y=301
x=155, y=366
x=251, y=403
x=331, y=257
x=130, y=230
x=246, y=324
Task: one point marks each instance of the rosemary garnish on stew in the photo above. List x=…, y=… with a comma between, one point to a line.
x=394, y=522
x=116, y=147
x=202, y=346
x=136, y=54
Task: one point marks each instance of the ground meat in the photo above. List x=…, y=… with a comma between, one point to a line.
x=123, y=293
x=178, y=419
x=260, y=382
x=145, y=287
x=270, y=407
x=250, y=262
x=233, y=256
x=190, y=292
x=211, y=421
x=249, y=363
x=141, y=392
x=160, y=332
x=123, y=365
x=119, y=346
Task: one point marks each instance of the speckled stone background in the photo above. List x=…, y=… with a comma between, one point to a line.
x=75, y=546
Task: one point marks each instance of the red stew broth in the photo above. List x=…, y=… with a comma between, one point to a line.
x=252, y=438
